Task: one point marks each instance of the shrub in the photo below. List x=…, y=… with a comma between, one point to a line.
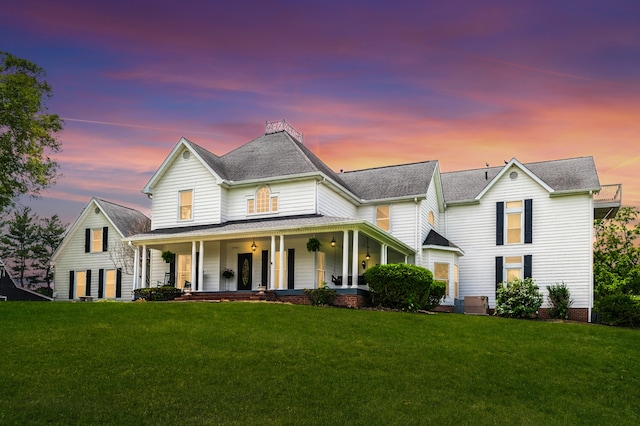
x=45, y=291
x=321, y=296
x=437, y=292
x=518, y=299
x=560, y=300
x=157, y=294
x=619, y=309
x=399, y=286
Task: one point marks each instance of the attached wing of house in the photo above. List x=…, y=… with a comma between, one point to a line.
x=93, y=261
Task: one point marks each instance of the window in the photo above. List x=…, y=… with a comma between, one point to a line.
x=431, y=219
x=186, y=205
x=441, y=273
x=515, y=219
x=513, y=213
x=110, y=283
x=263, y=202
x=96, y=240
x=382, y=217
x=81, y=284
x=455, y=280
x=513, y=268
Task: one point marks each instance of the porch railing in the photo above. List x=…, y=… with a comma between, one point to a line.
x=609, y=194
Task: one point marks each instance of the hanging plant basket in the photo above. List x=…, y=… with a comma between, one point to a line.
x=168, y=257
x=313, y=244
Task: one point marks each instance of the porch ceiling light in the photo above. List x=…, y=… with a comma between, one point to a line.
x=254, y=246
x=368, y=256
x=333, y=241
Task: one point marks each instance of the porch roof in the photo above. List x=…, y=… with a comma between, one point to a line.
x=253, y=228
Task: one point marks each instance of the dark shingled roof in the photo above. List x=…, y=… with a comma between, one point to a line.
x=435, y=239
x=392, y=181
x=573, y=174
x=128, y=221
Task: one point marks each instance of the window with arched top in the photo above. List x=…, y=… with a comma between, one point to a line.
x=262, y=202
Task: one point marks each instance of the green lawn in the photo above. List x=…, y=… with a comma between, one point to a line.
x=259, y=363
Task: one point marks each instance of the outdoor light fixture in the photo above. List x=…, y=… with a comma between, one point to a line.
x=333, y=241
x=254, y=246
x=368, y=256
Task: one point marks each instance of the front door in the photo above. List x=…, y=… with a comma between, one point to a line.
x=245, y=261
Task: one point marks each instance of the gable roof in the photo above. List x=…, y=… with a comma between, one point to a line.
x=404, y=180
x=557, y=176
x=125, y=220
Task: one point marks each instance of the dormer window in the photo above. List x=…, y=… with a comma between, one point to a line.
x=262, y=202
x=186, y=205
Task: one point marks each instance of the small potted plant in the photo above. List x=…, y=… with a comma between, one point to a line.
x=168, y=257
x=313, y=244
x=228, y=273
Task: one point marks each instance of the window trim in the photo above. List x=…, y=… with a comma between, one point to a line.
x=387, y=219
x=271, y=202
x=446, y=280
x=180, y=206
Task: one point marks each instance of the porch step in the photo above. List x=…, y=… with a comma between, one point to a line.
x=201, y=296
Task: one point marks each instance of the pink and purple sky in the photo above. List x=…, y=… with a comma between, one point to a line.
x=369, y=83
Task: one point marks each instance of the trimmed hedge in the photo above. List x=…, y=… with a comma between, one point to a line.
x=437, y=293
x=399, y=286
x=157, y=294
x=619, y=309
x=321, y=296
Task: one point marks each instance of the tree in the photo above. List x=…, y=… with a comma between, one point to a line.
x=27, y=132
x=616, y=255
x=121, y=254
x=50, y=235
x=20, y=234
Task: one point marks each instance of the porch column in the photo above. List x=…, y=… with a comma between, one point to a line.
x=355, y=266
x=193, y=265
x=272, y=266
x=345, y=258
x=383, y=254
x=136, y=270
x=201, y=267
x=144, y=267
x=281, y=263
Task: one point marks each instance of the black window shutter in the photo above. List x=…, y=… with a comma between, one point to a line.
x=528, y=221
x=265, y=267
x=528, y=259
x=88, y=287
x=499, y=223
x=119, y=283
x=105, y=238
x=499, y=277
x=87, y=240
x=72, y=278
x=291, y=258
x=100, y=283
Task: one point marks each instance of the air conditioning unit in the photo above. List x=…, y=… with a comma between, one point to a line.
x=478, y=305
x=458, y=306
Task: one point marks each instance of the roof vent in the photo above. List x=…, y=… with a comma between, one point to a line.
x=186, y=154
x=283, y=126
x=513, y=175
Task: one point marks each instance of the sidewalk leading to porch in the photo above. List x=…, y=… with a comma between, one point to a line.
x=350, y=297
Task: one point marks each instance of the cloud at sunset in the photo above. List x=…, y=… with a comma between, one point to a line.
x=368, y=83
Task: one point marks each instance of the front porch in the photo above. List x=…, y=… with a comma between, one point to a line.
x=348, y=297
x=272, y=254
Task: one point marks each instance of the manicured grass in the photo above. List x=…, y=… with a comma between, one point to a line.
x=258, y=363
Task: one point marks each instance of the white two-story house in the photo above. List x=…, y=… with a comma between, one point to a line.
x=253, y=210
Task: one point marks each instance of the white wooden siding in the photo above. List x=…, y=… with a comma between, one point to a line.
x=73, y=257
x=186, y=174
x=331, y=203
x=403, y=223
x=561, y=247
x=294, y=198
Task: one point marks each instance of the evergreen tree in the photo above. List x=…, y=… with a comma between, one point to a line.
x=50, y=234
x=19, y=237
